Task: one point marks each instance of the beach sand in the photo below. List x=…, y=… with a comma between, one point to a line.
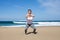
x=17, y=33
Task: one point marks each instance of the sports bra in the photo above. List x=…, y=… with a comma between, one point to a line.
x=30, y=18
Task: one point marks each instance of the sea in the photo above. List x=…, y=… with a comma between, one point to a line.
x=23, y=23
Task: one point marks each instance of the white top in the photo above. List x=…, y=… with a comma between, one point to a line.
x=30, y=18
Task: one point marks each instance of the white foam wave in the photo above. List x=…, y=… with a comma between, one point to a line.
x=39, y=24
x=49, y=23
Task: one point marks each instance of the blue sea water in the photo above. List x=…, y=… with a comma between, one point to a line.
x=11, y=23
x=41, y=22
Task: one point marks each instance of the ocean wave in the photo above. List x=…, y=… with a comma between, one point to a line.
x=44, y=23
x=23, y=24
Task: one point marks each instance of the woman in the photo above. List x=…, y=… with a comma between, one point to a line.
x=29, y=18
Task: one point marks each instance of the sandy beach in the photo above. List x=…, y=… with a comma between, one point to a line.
x=17, y=33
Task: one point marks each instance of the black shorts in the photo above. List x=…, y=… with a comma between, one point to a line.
x=29, y=24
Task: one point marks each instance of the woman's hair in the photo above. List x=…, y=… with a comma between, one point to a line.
x=29, y=10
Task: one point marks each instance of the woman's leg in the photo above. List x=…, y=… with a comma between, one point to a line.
x=27, y=26
x=34, y=31
x=34, y=28
x=25, y=31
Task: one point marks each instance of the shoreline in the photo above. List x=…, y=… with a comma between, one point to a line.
x=25, y=26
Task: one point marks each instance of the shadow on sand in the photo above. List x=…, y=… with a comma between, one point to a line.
x=31, y=32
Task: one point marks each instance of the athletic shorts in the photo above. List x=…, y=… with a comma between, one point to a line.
x=30, y=25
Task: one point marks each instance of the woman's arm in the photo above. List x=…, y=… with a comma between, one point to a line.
x=33, y=15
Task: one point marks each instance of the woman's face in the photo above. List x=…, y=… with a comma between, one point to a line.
x=29, y=12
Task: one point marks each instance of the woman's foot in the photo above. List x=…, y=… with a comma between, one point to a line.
x=25, y=31
x=34, y=31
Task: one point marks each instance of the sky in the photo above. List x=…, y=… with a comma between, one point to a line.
x=16, y=10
